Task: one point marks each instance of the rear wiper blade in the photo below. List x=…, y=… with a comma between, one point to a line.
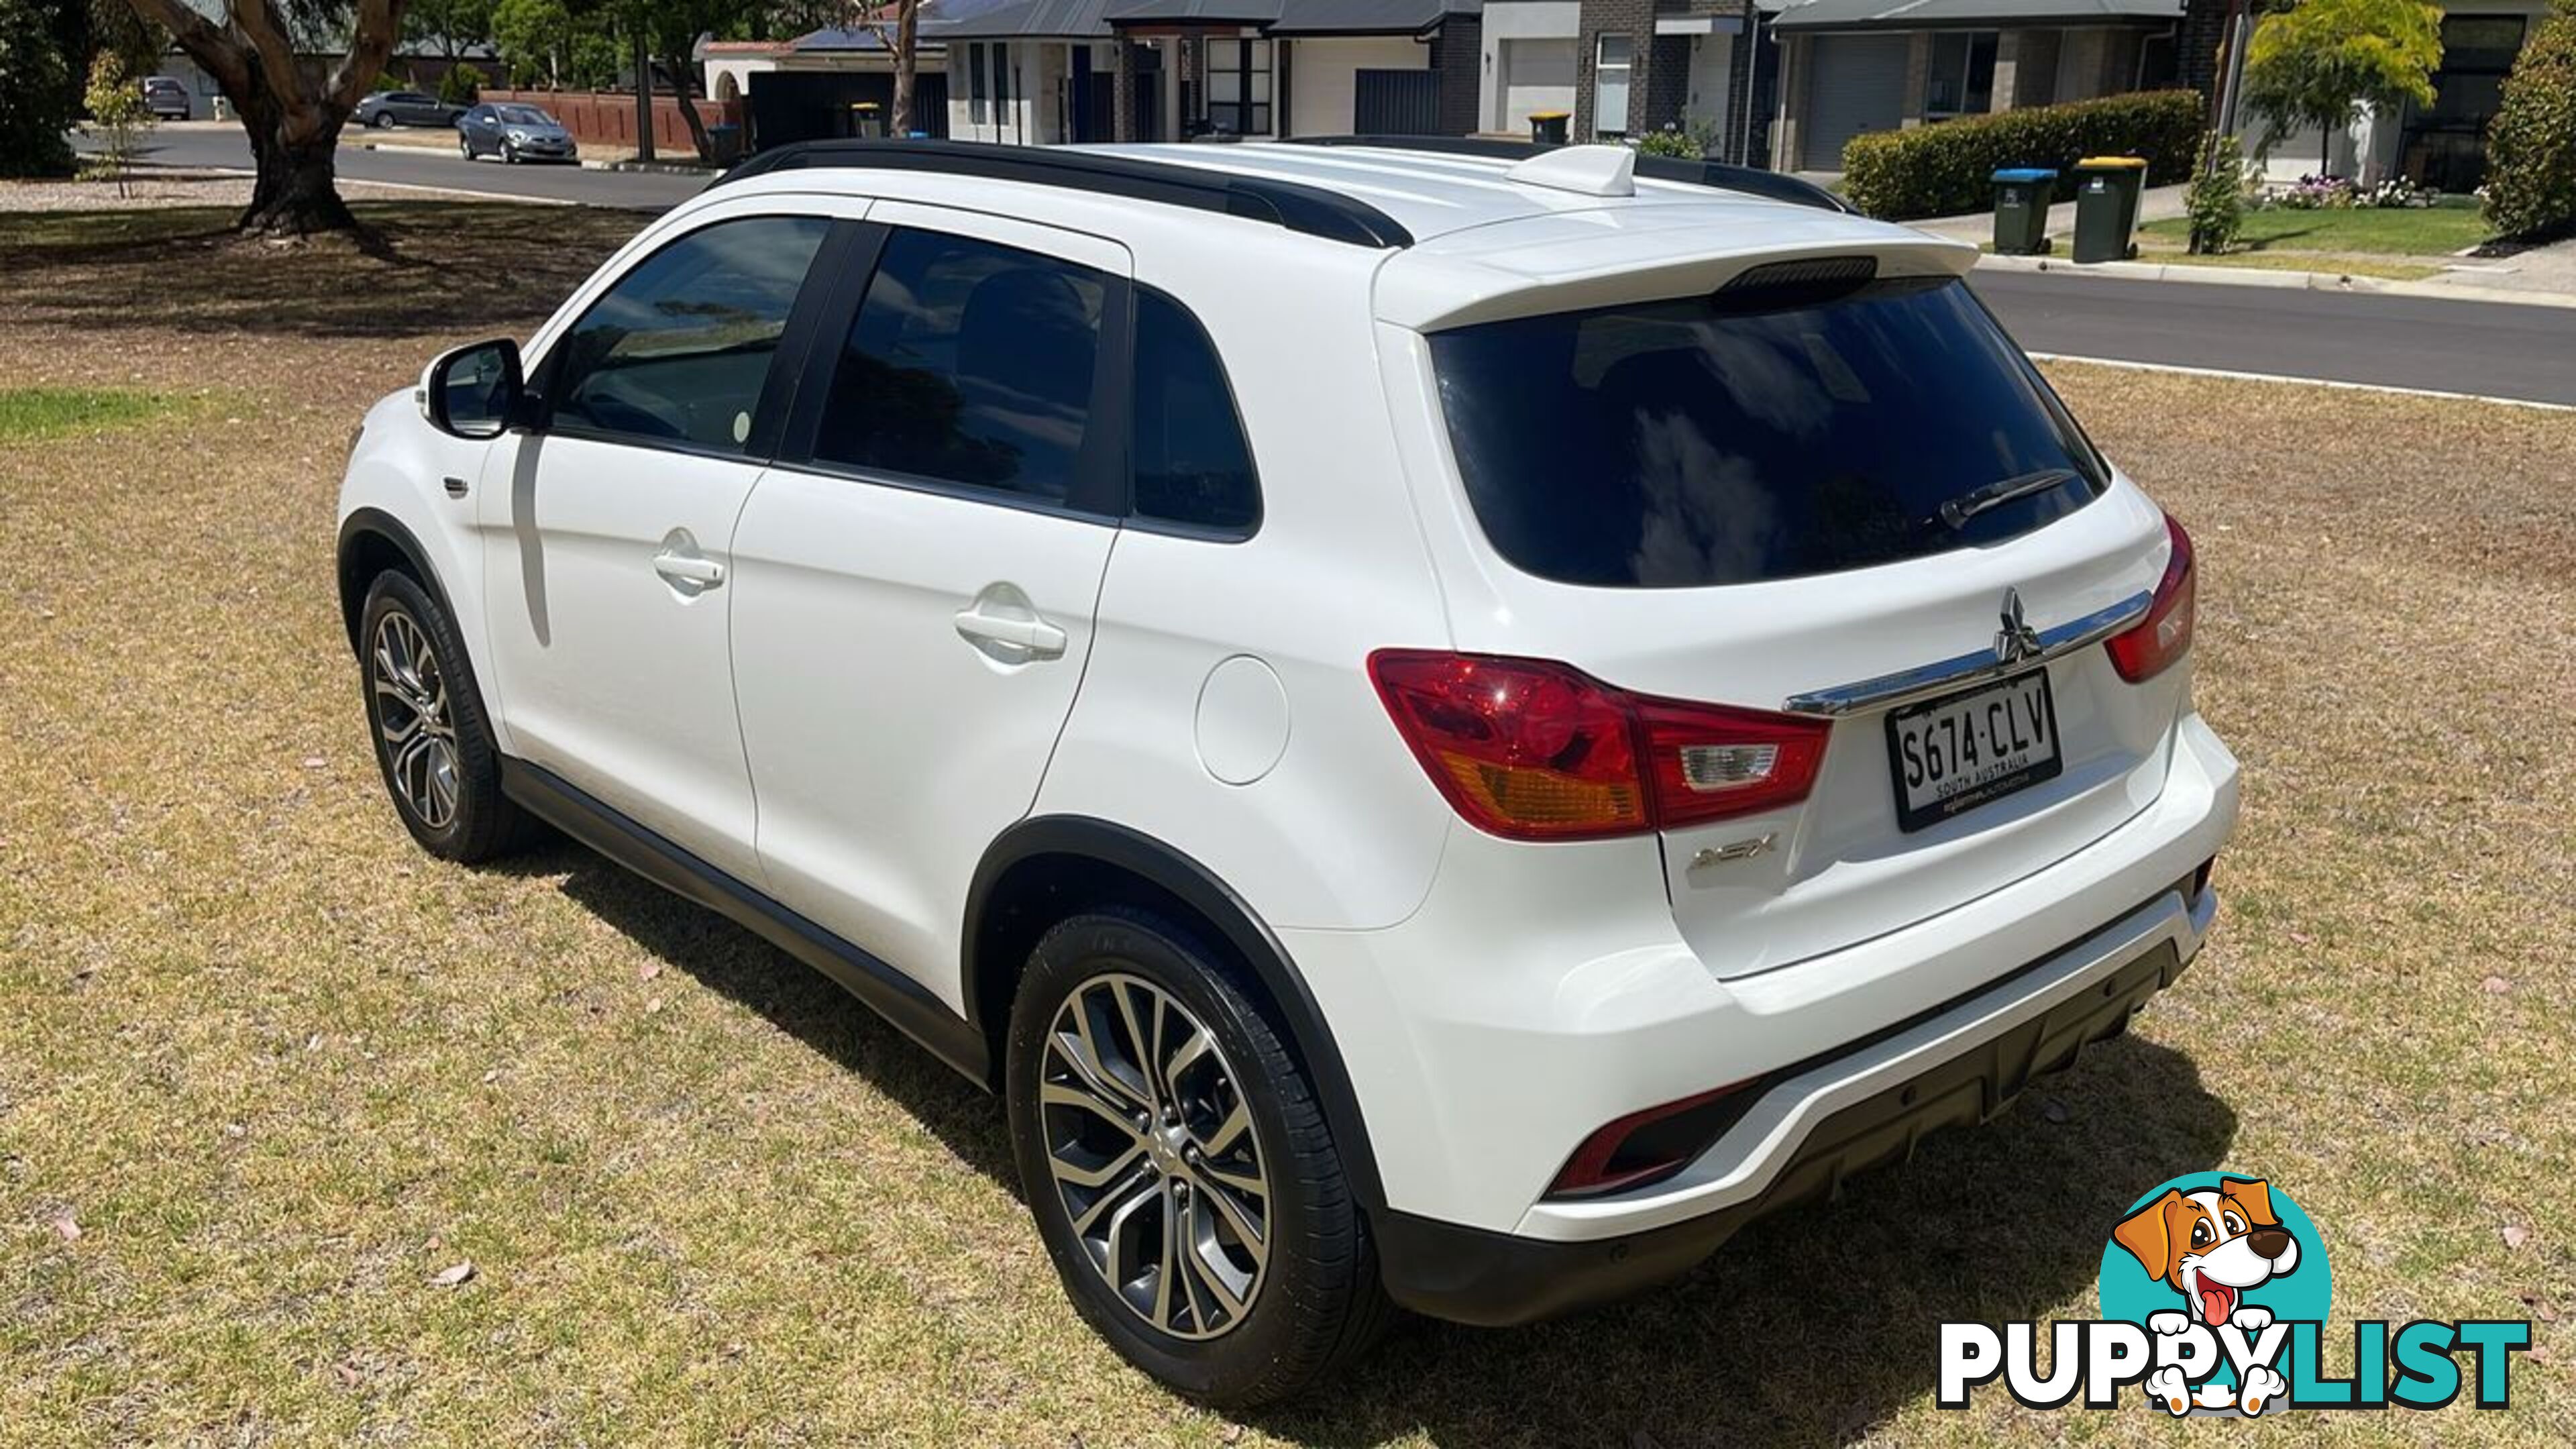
x=1959, y=510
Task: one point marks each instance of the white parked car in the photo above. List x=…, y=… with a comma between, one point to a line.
x=1444, y=728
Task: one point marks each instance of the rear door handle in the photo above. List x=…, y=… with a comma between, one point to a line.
x=1014, y=637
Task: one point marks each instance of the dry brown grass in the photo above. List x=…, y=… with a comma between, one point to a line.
x=280, y=1069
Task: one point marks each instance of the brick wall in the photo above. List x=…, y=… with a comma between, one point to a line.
x=2204, y=31
x=1456, y=53
x=1634, y=19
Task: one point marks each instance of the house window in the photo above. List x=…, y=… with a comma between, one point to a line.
x=1239, y=86
x=1613, y=57
x=1001, y=84
x=975, y=111
x=1962, y=82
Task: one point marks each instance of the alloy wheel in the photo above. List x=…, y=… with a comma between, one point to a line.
x=1154, y=1157
x=419, y=735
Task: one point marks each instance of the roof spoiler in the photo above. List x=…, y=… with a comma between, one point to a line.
x=1747, y=180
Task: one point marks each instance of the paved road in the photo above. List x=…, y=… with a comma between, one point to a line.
x=225, y=146
x=2487, y=348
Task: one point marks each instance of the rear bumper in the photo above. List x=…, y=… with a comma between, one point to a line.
x=1815, y=1124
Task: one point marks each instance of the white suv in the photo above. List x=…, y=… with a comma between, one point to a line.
x=1446, y=726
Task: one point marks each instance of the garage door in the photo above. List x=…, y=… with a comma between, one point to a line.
x=1855, y=83
x=1538, y=75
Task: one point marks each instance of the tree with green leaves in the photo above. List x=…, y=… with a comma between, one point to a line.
x=38, y=93
x=2320, y=61
x=118, y=114
x=293, y=113
x=2531, y=144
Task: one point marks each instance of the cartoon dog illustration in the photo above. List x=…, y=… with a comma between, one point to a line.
x=2210, y=1247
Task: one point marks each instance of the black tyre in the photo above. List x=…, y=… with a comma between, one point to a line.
x=464, y=145
x=509, y=154
x=433, y=742
x=381, y=120
x=1147, y=1093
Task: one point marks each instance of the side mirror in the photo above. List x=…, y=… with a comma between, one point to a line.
x=477, y=392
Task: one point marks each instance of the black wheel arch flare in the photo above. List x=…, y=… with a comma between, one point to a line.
x=1039, y=853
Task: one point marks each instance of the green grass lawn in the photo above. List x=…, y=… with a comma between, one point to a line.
x=28, y=414
x=2435, y=231
x=270, y=1076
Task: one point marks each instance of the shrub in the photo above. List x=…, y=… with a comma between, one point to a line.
x=118, y=116
x=1689, y=144
x=37, y=93
x=461, y=86
x=2531, y=146
x=1949, y=169
x=2217, y=196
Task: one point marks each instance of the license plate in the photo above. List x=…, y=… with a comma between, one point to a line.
x=1964, y=750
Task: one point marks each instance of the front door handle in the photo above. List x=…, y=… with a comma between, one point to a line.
x=688, y=572
x=1003, y=625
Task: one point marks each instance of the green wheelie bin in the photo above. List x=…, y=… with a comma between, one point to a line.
x=2022, y=194
x=2106, y=207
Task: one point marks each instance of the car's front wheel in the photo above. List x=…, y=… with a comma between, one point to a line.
x=509, y=154
x=464, y=145
x=381, y=120
x=1179, y=1167
x=434, y=746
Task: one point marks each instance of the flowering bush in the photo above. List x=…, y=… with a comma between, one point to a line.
x=1672, y=140
x=2335, y=193
x=2312, y=193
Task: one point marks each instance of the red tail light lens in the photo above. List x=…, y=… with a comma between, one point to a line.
x=2149, y=647
x=1534, y=750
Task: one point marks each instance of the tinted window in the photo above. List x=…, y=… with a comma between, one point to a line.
x=968, y=363
x=1741, y=437
x=1191, y=462
x=679, y=349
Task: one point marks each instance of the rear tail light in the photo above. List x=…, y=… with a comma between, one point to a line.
x=1649, y=1146
x=2149, y=647
x=1533, y=750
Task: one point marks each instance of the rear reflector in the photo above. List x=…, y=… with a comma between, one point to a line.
x=2149, y=647
x=1649, y=1146
x=1530, y=749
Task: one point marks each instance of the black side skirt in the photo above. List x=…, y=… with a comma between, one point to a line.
x=888, y=992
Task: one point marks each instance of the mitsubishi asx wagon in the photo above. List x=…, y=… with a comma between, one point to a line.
x=1444, y=724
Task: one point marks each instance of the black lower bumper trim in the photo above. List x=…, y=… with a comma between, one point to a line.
x=1470, y=1275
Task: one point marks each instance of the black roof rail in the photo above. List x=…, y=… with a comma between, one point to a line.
x=1310, y=210
x=1752, y=181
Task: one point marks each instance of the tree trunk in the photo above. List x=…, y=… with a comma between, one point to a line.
x=689, y=117
x=906, y=25
x=297, y=191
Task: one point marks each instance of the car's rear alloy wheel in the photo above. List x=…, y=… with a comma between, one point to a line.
x=1177, y=1160
x=1154, y=1156
x=381, y=120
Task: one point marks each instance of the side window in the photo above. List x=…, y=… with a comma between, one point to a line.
x=678, y=350
x=1192, y=465
x=969, y=363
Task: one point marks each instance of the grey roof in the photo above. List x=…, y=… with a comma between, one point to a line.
x=1367, y=17
x=1097, y=19
x=1015, y=19
x=1934, y=14
x=1194, y=12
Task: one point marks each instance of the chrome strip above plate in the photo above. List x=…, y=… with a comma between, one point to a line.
x=1924, y=681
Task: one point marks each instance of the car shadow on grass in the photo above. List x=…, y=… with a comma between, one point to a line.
x=1810, y=1327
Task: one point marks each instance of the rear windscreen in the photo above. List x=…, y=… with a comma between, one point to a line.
x=1752, y=435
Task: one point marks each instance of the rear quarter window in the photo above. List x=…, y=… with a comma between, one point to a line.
x=1747, y=436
